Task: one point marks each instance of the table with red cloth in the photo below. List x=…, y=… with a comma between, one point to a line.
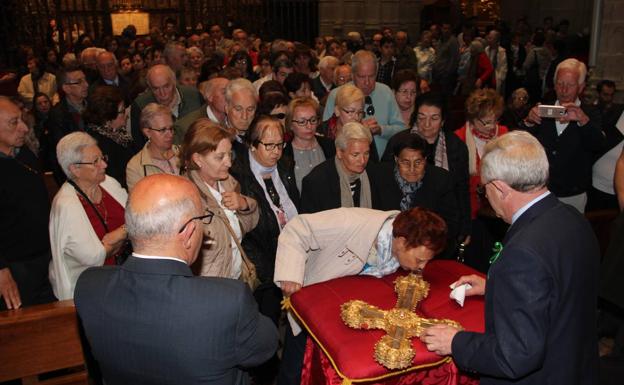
x=337, y=354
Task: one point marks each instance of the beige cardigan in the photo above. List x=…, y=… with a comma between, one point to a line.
x=142, y=165
x=216, y=256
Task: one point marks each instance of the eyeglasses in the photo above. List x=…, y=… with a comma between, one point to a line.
x=370, y=109
x=206, y=219
x=407, y=92
x=481, y=188
x=408, y=164
x=103, y=158
x=489, y=123
x=280, y=115
x=272, y=146
x=163, y=130
x=356, y=113
x=77, y=82
x=303, y=122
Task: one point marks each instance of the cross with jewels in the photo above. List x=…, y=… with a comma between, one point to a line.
x=394, y=350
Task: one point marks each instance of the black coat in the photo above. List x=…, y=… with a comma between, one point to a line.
x=571, y=155
x=457, y=154
x=260, y=244
x=60, y=123
x=320, y=189
x=540, y=304
x=436, y=193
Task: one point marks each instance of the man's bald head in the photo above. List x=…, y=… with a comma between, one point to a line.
x=158, y=207
x=162, y=82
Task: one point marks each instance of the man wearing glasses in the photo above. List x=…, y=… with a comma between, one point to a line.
x=383, y=117
x=171, y=326
x=66, y=116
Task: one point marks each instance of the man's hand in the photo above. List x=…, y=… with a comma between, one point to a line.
x=288, y=288
x=533, y=117
x=574, y=113
x=439, y=339
x=477, y=283
x=9, y=290
x=372, y=125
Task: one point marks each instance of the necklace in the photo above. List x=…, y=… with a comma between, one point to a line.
x=100, y=208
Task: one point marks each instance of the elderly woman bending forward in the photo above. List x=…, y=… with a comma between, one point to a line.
x=207, y=157
x=87, y=226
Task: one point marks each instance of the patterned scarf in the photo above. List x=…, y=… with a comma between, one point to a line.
x=440, y=156
x=117, y=135
x=408, y=190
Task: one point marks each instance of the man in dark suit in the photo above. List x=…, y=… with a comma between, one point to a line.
x=150, y=321
x=572, y=141
x=540, y=303
x=108, y=70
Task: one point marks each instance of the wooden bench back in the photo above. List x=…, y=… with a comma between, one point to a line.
x=41, y=339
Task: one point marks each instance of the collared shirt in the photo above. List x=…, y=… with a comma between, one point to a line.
x=211, y=115
x=142, y=256
x=175, y=104
x=527, y=206
x=562, y=126
x=327, y=86
x=114, y=82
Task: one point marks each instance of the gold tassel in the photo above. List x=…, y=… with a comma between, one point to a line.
x=286, y=303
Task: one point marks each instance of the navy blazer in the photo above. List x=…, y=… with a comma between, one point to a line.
x=540, y=304
x=153, y=322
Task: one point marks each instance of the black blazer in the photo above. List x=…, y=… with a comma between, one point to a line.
x=60, y=123
x=571, y=155
x=320, y=189
x=436, y=193
x=540, y=304
x=457, y=154
x=260, y=244
x=153, y=322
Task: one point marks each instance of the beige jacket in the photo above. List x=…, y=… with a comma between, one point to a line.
x=142, y=165
x=216, y=257
x=329, y=244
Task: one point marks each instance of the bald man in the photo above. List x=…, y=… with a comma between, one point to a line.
x=162, y=89
x=150, y=321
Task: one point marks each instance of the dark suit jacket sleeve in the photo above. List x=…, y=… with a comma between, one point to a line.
x=461, y=190
x=592, y=133
x=256, y=335
x=309, y=195
x=515, y=344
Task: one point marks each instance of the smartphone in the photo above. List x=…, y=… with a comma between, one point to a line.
x=546, y=111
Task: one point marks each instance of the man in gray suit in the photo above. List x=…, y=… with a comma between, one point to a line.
x=150, y=321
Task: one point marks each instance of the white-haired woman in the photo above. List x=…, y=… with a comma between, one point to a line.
x=159, y=155
x=87, y=226
x=341, y=181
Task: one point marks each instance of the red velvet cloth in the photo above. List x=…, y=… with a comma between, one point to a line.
x=340, y=353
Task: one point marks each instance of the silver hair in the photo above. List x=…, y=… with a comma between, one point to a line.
x=170, y=48
x=574, y=65
x=90, y=50
x=352, y=131
x=516, y=158
x=69, y=150
x=150, y=111
x=327, y=60
x=107, y=53
x=168, y=70
x=162, y=221
x=238, y=85
x=206, y=87
x=360, y=57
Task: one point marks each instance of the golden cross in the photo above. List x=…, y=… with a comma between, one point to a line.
x=394, y=350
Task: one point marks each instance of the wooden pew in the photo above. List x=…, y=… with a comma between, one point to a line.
x=41, y=339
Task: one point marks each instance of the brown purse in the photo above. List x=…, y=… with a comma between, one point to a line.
x=248, y=269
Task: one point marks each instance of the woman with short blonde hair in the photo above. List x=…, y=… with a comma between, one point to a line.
x=349, y=107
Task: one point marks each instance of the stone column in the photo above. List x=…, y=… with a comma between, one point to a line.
x=611, y=47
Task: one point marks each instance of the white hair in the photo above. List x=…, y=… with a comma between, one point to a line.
x=327, y=60
x=574, y=65
x=516, y=158
x=161, y=221
x=238, y=85
x=352, y=131
x=360, y=57
x=95, y=51
x=150, y=111
x=69, y=150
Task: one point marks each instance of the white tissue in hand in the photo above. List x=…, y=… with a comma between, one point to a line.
x=459, y=293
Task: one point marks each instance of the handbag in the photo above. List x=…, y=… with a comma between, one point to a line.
x=248, y=269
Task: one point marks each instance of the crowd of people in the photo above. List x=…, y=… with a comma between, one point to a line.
x=272, y=141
